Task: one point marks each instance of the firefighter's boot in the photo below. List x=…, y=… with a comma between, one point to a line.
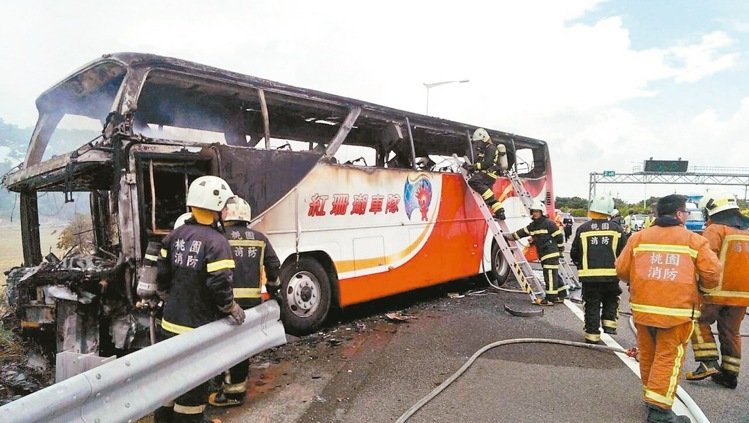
x=163, y=414
x=729, y=380
x=704, y=370
x=659, y=415
x=224, y=399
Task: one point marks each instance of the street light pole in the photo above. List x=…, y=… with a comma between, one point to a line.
x=430, y=85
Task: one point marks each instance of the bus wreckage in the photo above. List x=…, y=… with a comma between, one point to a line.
x=360, y=201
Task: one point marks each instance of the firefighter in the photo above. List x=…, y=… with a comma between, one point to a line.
x=616, y=217
x=549, y=242
x=728, y=233
x=629, y=222
x=257, y=265
x=594, y=250
x=490, y=162
x=568, y=222
x=195, y=269
x=649, y=219
x=661, y=265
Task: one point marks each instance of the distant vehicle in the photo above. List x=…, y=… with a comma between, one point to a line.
x=638, y=220
x=695, y=221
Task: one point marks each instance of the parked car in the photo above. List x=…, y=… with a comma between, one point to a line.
x=637, y=221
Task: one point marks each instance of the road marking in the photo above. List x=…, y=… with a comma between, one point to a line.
x=681, y=395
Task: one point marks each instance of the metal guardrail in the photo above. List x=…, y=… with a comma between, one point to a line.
x=130, y=387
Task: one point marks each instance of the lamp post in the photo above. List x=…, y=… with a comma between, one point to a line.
x=430, y=85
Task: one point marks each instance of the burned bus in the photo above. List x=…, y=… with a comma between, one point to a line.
x=360, y=201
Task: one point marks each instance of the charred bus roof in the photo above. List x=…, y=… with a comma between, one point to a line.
x=175, y=89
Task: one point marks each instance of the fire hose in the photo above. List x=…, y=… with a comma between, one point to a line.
x=632, y=352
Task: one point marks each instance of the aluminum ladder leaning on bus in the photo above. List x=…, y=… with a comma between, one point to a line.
x=565, y=272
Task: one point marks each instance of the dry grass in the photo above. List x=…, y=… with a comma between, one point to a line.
x=11, y=251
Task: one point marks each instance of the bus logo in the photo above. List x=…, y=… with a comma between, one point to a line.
x=417, y=194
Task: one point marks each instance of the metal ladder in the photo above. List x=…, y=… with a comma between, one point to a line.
x=565, y=272
x=510, y=250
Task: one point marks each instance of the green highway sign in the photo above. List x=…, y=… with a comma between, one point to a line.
x=609, y=173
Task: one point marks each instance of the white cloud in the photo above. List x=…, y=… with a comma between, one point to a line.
x=704, y=59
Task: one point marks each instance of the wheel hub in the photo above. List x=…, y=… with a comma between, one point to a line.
x=303, y=294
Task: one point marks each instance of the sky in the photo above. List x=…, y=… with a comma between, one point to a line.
x=607, y=84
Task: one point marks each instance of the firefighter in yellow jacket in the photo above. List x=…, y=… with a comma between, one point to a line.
x=661, y=264
x=728, y=233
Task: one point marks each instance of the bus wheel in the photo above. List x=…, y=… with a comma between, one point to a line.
x=500, y=269
x=306, y=296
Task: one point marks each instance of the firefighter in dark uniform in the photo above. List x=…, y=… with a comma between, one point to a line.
x=195, y=270
x=491, y=160
x=595, y=248
x=549, y=242
x=257, y=266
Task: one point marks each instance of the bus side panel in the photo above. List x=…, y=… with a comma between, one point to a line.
x=386, y=230
x=452, y=250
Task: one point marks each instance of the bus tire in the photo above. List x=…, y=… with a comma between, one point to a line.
x=305, y=295
x=500, y=271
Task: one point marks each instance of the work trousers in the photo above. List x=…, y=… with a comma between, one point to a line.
x=554, y=287
x=729, y=334
x=236, y=384
x=190, y=406
x=482, y=184
x=662, y=352
x=601, y=304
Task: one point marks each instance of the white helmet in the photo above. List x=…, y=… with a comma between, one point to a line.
x=717, y=202
x=614, y=212
x=481, y=135
x=603, y=204
x=209, y=192
x=182, y=219
x=237, y=209
x=538, y=205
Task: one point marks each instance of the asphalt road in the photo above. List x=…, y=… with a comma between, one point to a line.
x=368, y=368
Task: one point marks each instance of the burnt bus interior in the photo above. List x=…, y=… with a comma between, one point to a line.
x=161, y=123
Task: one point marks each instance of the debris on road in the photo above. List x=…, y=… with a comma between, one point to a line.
x=398, y=316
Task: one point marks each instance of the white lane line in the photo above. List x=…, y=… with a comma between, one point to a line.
x=682, y=396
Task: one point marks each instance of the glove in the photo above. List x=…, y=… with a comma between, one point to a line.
x=273, y=286
x=469, y=167
x=236, y=313
x=501, y=214
x=509, y=237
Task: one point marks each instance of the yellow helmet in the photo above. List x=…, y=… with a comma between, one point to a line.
x=480, y=134
x=717, y=202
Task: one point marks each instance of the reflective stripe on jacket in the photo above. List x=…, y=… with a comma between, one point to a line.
x=594, y=250
x=487, y=159
x=732, y=246
x=547, y=237
x=256, y=262
x=195, y=267
x=661, y=264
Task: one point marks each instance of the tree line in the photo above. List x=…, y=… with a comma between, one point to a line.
x=578, y=207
